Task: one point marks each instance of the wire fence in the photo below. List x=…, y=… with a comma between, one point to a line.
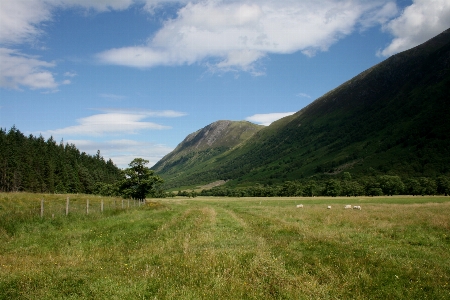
x=57, y=206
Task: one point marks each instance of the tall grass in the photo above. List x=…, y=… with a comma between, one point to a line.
x=225, y=248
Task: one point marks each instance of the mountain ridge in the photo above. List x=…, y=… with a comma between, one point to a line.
x=392, y=117
x=208, y=142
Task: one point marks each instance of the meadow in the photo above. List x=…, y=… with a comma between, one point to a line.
x=225, y=248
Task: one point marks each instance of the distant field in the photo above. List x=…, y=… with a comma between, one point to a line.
x=225, y=248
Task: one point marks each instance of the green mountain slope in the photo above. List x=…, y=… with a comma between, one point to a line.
x=391, y=119
x=204, y=146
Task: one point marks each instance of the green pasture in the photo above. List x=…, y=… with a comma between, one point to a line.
x=225, y=248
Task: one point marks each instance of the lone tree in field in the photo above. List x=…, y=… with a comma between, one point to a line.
x=139, y=180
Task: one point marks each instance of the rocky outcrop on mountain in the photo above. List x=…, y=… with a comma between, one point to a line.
x=207, y=143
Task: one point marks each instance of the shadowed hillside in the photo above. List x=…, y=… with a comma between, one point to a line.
x=391, y=119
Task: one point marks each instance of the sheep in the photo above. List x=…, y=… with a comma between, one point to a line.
x=299, y=205
x=348, y=206
x=329, y=207
x=357, y=207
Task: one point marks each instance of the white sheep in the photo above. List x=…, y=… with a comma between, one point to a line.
x=348, y=206
x=329, y=207
x=357, y=207
x=299, y=205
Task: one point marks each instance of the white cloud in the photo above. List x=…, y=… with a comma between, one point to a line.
x=108, y=123
x=233, y=35
x=303, y=95
x=379, y=16
x=145, y=112
x=17, y=70
x=98, y=5
x=267, y=119
x=418, y=23
x=22, y=21
x=19, y=20
x=70, y=74
x=115, y=122
x=113, y=96
x=123, y=151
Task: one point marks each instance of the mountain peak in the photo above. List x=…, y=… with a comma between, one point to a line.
x=390, y=119
x=214, y=138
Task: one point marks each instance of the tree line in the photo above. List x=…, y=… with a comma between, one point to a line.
x=387, y=185
x=33, y=164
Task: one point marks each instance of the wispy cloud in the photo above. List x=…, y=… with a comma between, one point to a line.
x=70, y=74
x=20, y=70
x=418, y=23
x=115, y=122
x=303, y=95
x=21, y=21
x=146, y=112
x=267, y=119
x=113, y=96
x=233, y=35
x=123, y=151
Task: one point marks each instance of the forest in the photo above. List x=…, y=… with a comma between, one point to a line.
x=346, y=185
x=33, y=164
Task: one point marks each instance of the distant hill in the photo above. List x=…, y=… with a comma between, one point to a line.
x=393, y=118
x=205, y=145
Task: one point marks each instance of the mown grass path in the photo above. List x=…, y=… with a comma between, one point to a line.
x=225, y=248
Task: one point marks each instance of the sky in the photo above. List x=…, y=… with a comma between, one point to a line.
x=132, y=78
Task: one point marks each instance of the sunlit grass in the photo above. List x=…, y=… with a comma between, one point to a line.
x=226, y=248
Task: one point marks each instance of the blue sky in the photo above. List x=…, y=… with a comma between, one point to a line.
x=132, y=78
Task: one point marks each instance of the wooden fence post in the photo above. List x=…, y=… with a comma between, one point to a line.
x=67, y=206
x=101, y=205
x=122, y=203
x=42, y=208
x=87, y=206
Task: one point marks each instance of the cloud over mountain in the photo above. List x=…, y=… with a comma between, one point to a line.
x=267, y=119
x=224, y=35
x=418, y=23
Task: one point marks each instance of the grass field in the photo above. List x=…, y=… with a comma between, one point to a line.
x=227, y=248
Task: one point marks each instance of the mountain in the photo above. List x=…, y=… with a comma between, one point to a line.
x=391, y=119
x=204, y=145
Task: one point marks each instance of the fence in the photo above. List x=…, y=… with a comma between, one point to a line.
x=88, y=206
x=65, y=206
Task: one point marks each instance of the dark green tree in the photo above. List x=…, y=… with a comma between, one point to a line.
x=391, y=185
x=139, y=181
x=443, y=183
x=428, y=186
x=310, y=188
x=332, y=188
x=351, y=188
x=412, y=187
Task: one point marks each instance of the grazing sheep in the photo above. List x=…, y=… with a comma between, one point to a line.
x=299, y=205
x=348, y=206
x=357, y=207
x=329, y=207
